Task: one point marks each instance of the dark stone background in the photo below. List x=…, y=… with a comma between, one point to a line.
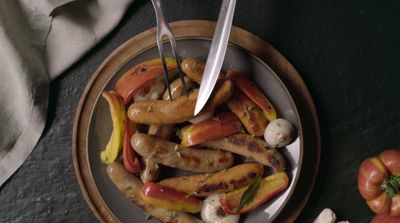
x=345, y=50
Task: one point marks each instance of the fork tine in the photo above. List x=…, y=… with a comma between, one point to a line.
x=164, y=64
x=166, y=76
x=178, y=60
x=164, y=29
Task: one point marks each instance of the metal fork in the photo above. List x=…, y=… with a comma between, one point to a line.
x=163, y=29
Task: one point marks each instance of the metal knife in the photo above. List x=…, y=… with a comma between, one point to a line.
x=217, y=52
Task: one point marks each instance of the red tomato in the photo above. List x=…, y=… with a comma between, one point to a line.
x=379, y=182
x=384, y=218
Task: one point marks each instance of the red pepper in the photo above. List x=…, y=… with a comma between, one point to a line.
x=251, y=90
x=140, y=76
x=168, y=198
x=129, y=156
x=222, y=125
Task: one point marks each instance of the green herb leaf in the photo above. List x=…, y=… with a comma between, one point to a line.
x=391, y=186
x=249, y=194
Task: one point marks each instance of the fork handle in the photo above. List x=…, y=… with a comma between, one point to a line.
x=162, y=24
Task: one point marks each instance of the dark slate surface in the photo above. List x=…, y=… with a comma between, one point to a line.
x=346, y=52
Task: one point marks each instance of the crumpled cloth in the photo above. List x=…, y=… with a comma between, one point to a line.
x=39, y=39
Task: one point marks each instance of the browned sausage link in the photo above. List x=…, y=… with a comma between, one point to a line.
x=246, y=145
x=177, y=88
x=151, y=171
x=179, y=110
x=161, y=131
x=248, y=112
x=165, y=131
x=194, y=68
x=173, y=155
x=220, y=182
x=130, y=185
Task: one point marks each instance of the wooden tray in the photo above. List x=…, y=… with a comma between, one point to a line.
x=256, y=46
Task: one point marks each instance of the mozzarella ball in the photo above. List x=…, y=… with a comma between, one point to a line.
x=211, y=211
x=279, y=133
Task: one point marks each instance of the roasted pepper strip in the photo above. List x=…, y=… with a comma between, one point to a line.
x=267, y=189
x=251, y=90
x=140, y=75
x=222, y=125
x=170, y=199
x=117, y=111
x=129, y=157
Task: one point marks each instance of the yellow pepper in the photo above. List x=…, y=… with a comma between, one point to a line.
x=117, y=110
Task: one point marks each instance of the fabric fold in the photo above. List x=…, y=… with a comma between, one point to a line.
x=39, y=40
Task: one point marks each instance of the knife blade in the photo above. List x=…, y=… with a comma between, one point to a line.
x=216, y=54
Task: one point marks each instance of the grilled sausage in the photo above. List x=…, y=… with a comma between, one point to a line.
x=151, y=168
x=179, y=110
x=177, y=88
x=246, y=145
x=220, y=182
x=194, y=68
x=174, y=155
x=130, y=185
x=150, y=171
x=248, y=112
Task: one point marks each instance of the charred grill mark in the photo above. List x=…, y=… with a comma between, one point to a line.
x=253, y=146
x=273, y=161
x=252, y=116
x=192, y=159
x=237, y=140
x=224, y=159
x=238, y=183
x=221, y=212
x=213, y=187
x=252, y=175
x=143, y=68
x=159, y=130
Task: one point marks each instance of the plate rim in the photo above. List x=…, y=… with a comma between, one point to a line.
x=89, y=188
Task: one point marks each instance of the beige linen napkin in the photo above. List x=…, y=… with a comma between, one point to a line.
x=39, y=39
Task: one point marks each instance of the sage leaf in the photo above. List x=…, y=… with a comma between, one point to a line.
x=249, y=194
